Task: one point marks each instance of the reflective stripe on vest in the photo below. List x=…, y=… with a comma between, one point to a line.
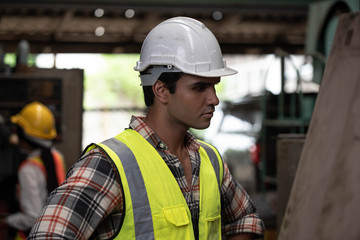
x=139, y=165
x=59, y=166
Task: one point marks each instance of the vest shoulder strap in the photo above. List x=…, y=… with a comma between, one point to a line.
x=126, y=162
x=215, y=159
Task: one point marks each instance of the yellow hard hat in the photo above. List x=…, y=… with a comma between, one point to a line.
x=36, y=120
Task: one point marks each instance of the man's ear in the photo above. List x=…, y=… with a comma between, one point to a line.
x=160, y=91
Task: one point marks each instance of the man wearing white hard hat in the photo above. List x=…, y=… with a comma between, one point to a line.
x=155, y=180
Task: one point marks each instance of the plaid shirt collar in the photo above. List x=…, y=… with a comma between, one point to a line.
x=137, y=123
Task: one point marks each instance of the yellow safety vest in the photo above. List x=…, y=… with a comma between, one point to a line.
x=155, y=207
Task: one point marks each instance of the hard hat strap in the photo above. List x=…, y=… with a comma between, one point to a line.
x=152, y=73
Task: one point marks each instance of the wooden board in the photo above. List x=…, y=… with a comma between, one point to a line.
x=325, y=199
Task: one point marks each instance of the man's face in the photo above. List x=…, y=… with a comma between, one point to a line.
x=194, y=101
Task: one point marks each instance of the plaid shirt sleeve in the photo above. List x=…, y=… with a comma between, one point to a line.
x=239, y=214
x=77, y=209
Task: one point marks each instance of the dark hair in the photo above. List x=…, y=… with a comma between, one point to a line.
x=47, y=159
x=169, y=78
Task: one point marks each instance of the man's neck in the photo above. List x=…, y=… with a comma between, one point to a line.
x=172, y=135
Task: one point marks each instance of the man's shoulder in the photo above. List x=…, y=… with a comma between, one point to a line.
x=93, y=161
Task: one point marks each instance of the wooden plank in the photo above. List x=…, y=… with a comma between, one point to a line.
x=288, y=149
x=324, y=200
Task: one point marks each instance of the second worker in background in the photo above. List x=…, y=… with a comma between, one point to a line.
x=43, y=169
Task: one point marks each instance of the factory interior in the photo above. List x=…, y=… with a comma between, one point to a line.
x=288, y=122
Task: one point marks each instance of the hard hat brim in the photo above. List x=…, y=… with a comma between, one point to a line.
x=215, y=73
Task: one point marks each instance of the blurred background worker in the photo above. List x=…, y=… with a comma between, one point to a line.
x=43, y=169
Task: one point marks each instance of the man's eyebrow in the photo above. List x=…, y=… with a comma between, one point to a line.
x=202, y=83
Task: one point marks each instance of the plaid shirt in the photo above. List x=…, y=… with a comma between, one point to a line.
x=90, y=203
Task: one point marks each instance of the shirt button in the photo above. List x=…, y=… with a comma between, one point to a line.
x=162, y=145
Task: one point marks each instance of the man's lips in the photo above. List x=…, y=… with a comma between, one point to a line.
x=208, y=114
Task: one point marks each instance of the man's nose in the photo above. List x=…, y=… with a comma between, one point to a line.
x=212, y=98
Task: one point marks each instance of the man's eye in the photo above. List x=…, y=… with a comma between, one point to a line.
x=200, y=88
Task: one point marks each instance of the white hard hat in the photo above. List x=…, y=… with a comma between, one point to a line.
x=181, y=44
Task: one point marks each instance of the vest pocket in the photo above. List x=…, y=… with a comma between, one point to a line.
x=212, y=228
x=172, y=223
